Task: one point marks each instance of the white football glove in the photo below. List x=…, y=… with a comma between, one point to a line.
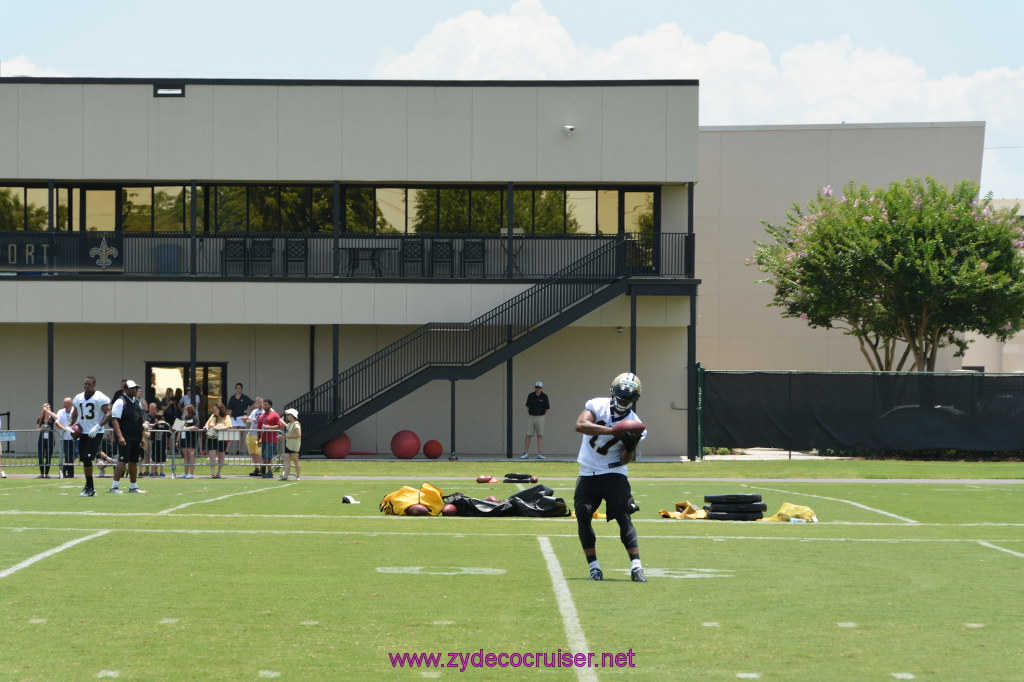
x=95, y=430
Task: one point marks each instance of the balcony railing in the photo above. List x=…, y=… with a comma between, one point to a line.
x=304, y=256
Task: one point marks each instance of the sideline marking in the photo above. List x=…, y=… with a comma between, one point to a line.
x=1001, y=549
x=222, y=497
x=570, y=621
x=837, y=499
x=109, y=673
x=974, y=625
x=48, y=553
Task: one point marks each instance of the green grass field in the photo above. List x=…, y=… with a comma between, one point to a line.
x=245, y=578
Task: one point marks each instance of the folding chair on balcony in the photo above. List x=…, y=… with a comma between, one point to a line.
x=262, y=255
x=296, y=256
x=234, y=253
x=411, y=254
x=442, y=254
x=474, y=252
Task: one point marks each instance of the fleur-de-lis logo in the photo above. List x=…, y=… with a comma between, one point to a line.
x=104, y=253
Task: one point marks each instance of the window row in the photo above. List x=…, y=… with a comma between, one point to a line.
x=310, y=208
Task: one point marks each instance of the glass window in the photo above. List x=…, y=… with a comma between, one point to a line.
x=453, y=211
x=390, y=210
x=296, y=209
x=36, y=198
x=12, y=208
x=608, y=211
x=137, y=209
x=100, y=210
x=360, y=215
x=230, y=208
x=488, y=211
x=63, y=219
x=170, y=208
x=323, y=209
x=423, y=210
x=264, y=208
x=638, y=211
x=582, y=206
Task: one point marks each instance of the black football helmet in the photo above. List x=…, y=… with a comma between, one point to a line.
x=625, y=392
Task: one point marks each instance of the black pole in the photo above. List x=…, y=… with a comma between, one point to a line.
x=508, y=409
x=632, y=331
x=49, y=363
x=336, y=343
x=194, y=219
x=192, y=364
x=693, y=443
x=312, y=356
x=452, y=455
x=509, y=209
x=337, y=234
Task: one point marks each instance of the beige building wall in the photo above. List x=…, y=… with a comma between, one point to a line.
x=753, y=173
x=367, y=132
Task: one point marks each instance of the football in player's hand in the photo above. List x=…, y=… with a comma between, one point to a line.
x=417, y=510
x=633, y=426
x=76, y=431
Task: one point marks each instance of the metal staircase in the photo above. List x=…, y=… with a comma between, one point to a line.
x=451, y=350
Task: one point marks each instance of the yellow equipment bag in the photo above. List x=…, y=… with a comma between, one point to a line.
x=684, y=510
x=397, y=502
x=793, y=511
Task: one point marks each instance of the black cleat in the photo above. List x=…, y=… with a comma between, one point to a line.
x=637, y=575
x=596, y=574
x=87, y=492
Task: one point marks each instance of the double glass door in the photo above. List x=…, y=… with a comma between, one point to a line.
x=175, y=376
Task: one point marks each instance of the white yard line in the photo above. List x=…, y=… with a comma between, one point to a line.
x=1001, y=549
x=571, y=622
x=836, y=499
x=48, y=553
x=222, y=497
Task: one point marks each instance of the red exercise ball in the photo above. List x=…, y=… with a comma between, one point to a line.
x=405, y=444
x=432, y=449
x=337, y=447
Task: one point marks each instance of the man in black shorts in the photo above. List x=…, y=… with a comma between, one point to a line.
x=603, y=475
x=127, y=416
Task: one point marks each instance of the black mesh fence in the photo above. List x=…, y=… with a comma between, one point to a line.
x=863, y=411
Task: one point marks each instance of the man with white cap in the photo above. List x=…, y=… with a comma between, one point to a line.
x=127, y=416
x=537, y=405
x=292, y=442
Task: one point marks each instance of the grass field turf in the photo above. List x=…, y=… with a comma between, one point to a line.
x=248, y=579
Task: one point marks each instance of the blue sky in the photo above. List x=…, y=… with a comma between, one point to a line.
x=778, y=62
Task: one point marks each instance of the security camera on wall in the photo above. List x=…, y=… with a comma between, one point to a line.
x=569, y=130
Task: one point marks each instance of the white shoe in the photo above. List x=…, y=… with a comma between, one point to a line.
x=2, y=474
x=136, y=490
x=541, y=457
x=282, y=478
x=525, y=456
x=297, y=478
x=117, y=490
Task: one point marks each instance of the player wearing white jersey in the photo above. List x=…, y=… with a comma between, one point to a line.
x=91, y=413
x=603, y=471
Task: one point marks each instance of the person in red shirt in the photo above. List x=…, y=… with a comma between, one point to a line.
x=269, y=426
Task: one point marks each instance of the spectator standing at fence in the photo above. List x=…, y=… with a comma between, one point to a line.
x=107, y=454
x=238, y=406
x=169, y=406
x=159, y=434
x=292, y=442
x=269, y=426
x=128, y=417
x=91, y=412
x=69, y=448
x=253, y=442
x=537, y=405
x=44, y=443
x=189, y=440
x=216, y=430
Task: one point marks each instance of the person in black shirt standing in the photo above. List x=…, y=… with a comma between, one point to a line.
x=127, y=415
x=537, y=405
x=238, y=406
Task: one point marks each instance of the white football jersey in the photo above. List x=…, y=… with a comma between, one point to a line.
x=90, y=410
x=601, y=454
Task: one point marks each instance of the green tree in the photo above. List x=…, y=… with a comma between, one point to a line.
x=914, y=263
x=12, y=213
x=541, y=211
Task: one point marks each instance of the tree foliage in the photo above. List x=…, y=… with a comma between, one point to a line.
x=915, y=264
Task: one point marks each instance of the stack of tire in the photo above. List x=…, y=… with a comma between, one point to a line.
x=735, y=507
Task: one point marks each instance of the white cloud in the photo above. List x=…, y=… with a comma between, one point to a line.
x=21, y=66
x=742, y=83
